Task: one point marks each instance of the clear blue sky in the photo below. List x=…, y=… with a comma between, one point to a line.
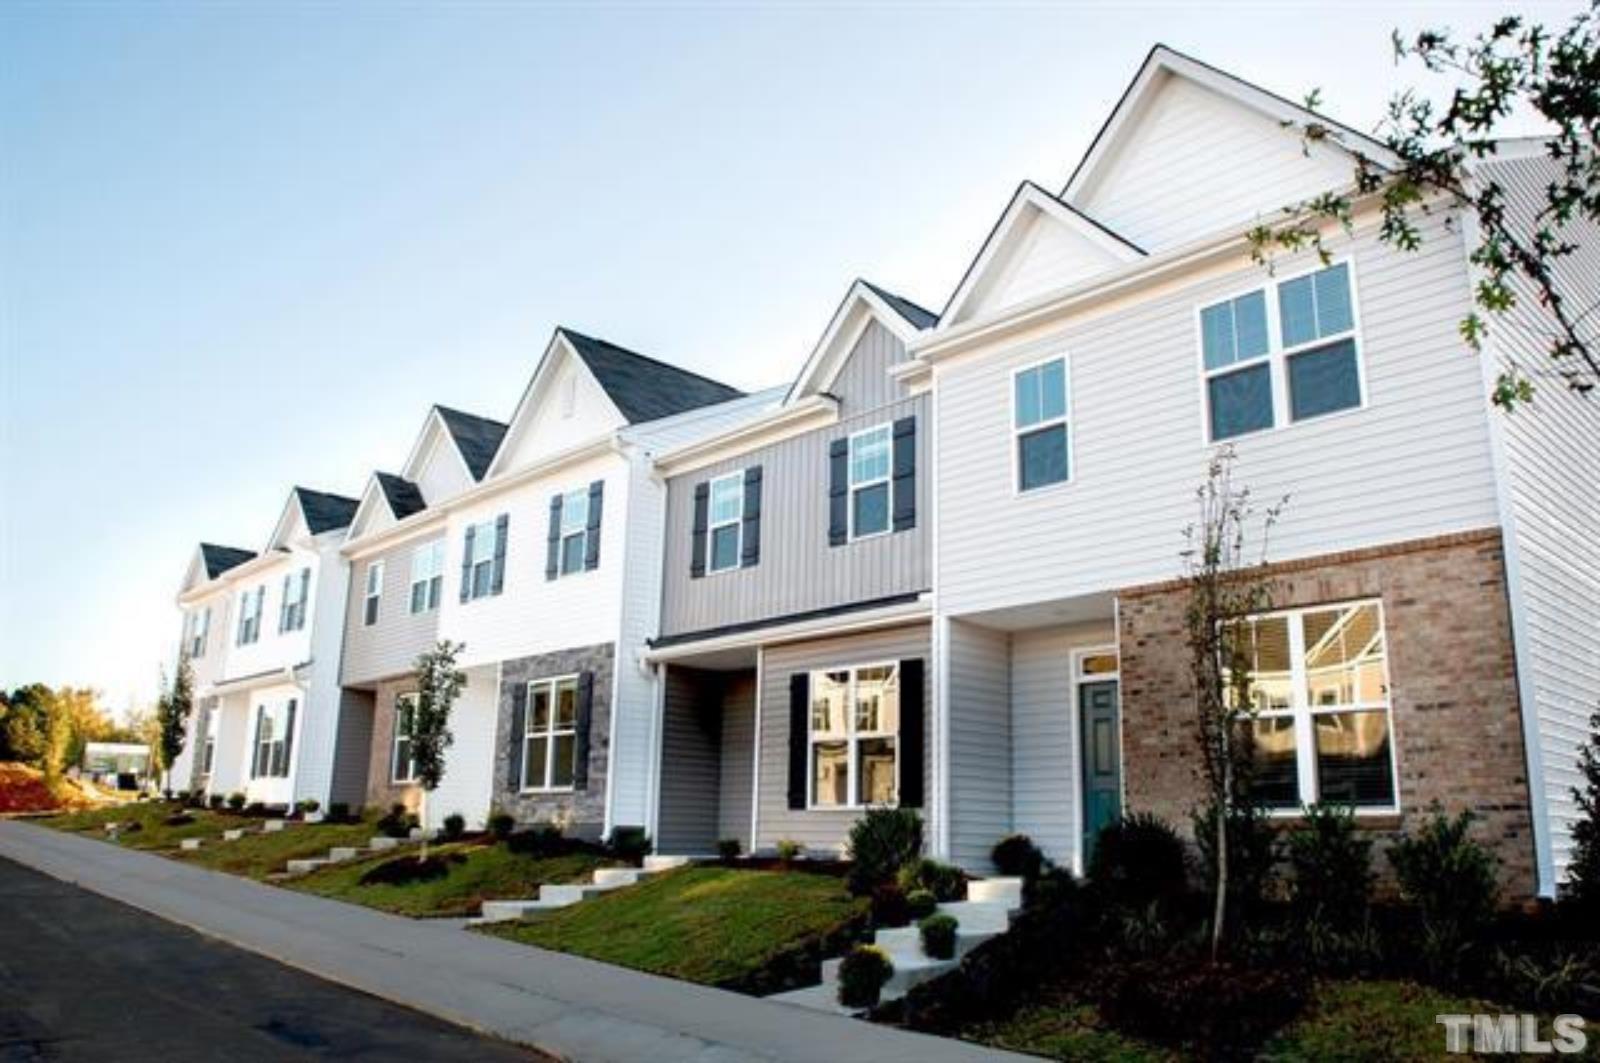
x=245, y=246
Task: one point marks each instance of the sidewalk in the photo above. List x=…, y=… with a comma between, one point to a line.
x=566, y=1005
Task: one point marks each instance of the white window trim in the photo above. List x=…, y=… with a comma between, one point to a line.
x=851, y=487
x=1277, y=355
x=394, y=744
x=1305, y=714
x=208, y=748
x=852, y=739
x=435, y=592
x=1080, y=679
x=372, y=600
x=737, y=523
x=1017, y=490
x=251, y=606
x=280, y=713
x=492, y=524
x=581, y=533
x=294, y=609
x=551, y=734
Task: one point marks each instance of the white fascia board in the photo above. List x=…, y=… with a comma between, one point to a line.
x=799, y=631
x=371, y=495
x=860, y=305
x=280, y=530
x=813, y=411
x=434, y=431
x=558, y=346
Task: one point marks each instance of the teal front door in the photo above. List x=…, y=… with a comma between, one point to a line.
x=1102, y=761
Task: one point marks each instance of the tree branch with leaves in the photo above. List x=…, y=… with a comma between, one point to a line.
x=439, y=684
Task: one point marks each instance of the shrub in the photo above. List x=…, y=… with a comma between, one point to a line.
x=920, y=904
x=1139, y=860
x=890, y=906
x=729, y=849
x=538, y=841
x=308, y=806
x=197, y=799
x=1330, y=867
x=945, y=881
x=1252, y=856
x=405, y=870
x=217, y=800
x=178, y=819
x=1580, y=892
x=862, y=974
x=938, y=936
x=882, y=842
x=1450, y=880
x=789, y=850
x=455, y=825
x=630, y=844
x=397, y=822
x=236, y=800
x=1225, y=1012
x=501, y=824
x=256, y=808
x=339, y=811
x=1015, y=854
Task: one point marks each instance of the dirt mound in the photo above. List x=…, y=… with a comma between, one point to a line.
x=23, y=789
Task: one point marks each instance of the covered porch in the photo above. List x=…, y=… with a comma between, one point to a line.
x=706, y=776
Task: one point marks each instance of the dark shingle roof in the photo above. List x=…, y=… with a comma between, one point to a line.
x=324, y=512
x=404, y=497
x=643, y=388
x=919, y=318
x=477, y=437
x=219, y=559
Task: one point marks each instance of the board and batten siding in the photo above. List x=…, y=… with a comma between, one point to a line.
x=863, y=383
x=978, y=660
x=1552, y=494
x=798, y=570
x=738, y=757
x=352, y=749
x=708, y=739
x=1414, y=462
x=825, y=830
x=390, y=647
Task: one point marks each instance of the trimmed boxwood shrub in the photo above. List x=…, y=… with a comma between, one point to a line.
x=1016, y=855
x=405, y=870
x=178, y=819
x=397, y=822
x=938, y=936
x=1221, y=1011
x=455, y=825
x=945, y=881
x=339, y=811
x=236, y=800
x=882, y=841
x=921, y=903
x=889, y=906
x=501, y=824
x=307, y=806
x=539, y=841
x=630, y=844
x=1139, y=861
x=216, y=800
x=862, y=974
x=729, y=849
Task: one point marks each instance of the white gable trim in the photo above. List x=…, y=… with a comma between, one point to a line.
x=371, y=496
x=195, y=574
x=427, y=441
x=1027, y=202
x=280, y=530
x=1163, y=62
x=558, y=348
x=859, y=308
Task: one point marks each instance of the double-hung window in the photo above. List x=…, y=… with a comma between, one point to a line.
x=480, y=561
x=1040, y=424
x=574, y=530
x=726, y=513
x=199, y=629
x=402, y=768
x=250, y=603
x=855, y=727
x=296, y=585
x=1281, y=354
x=427, y=576
x=550, y=744
x=208, y=755
x=870, y=468
x=374, y=595
x=271, y=757
x=1321, y=720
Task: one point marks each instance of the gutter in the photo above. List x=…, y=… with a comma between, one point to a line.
x=821, y=408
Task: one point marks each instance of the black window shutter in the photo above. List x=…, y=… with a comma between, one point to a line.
x=697, y=549
x=838, y=492
x=305, y=591
x=519, y=715
x=591, y=538
x=799, y=736
x=466, y=564
x=750, y=535
x=552, y=551
x=255, y=747
x=502, y=524
x=580, y=751
x=905, y=473
x=283, y=606
x=911, y=733
x=288, y=739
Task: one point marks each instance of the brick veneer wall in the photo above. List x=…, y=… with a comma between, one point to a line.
x=381, y=793
x=1457, y=726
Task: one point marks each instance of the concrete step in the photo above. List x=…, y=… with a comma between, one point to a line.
x=654, y=862
x=996, y=890
x=382, y=842
x=910, y=969
x=189, y=844
x=301, y=867
x=619, y=876
x=419, y=833
x=313, y=817
x=344, y=852
x=907, y=940
x=561, y=896
x=504, y=911
x=817, y=998
x=273, y=826
x=979, y=917
x=233, y=835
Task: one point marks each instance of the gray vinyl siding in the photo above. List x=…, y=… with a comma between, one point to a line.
x=691, y=742
x=980, y=742
x=824, y=831
x=390, y=647
x=863, y=383
x=1551, y=492
x=798, y=570
x=352, y=749
x=738, y=758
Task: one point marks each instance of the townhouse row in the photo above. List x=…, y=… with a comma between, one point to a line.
x=937, y=569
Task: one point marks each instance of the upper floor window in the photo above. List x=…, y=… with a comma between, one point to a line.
x=574, y=529
x=855, y=727
x=374, y=593
x=726, y=515
x=402, y=768
x=1039, y=423
x=550, y=743
x=292, y=611
x=483, y=563
x=250, y=603
x=427, y=576
x=1321, y=726
x=870, y=469
x=199, y=630
x=1281, y=354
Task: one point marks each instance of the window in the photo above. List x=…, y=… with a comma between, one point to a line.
x=855, y=721
x=480, y=559
x=1321, y=726
x=250, y=615
x=199, y=629
x=726, y=514
x=550, y=745
x=574, y=529
x=1039, y=419
x=1279, y=360
x=869, y=481
x=369, y=607
x=272, y=740
x=208, y=755
x=427, y=576
x=292, y=617
x=402, y=768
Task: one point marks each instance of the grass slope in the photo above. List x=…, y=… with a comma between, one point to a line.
x=702, y=924
x=259, y=855
x=488, y=872
x=153, y=833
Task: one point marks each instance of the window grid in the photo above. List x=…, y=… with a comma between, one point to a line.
x=870, y=462
x=402, y=767
x=574, y=530
x=484, y=542
x=427, y=576
x=853, y=735
x=1040, y=406
x=542, y=740
x=374, y=589
x=726, y=513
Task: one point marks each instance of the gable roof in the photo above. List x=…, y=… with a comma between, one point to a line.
x=918, y=317
x=324, y=511
x=218, y=559
x=478, y=438
x=403, y=496
x=862, y=300
x=643, y=388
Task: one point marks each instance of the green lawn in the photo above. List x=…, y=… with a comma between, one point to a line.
x=259, y=855
x=488, y=872
x=153, y=833
x=711, y=925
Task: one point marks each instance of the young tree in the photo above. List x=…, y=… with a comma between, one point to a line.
x=1516, y=67
x=172, y=716
x=1582, y=887
x=25, y=723
x=439, y=683
x=1225, y=586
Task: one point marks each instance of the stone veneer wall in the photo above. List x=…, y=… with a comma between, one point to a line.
x=381, y=793
x=1452, y=675
x=585, y=808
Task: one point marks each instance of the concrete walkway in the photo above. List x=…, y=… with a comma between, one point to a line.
x=566, y=1005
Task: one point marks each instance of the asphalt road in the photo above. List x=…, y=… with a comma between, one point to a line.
x=86, y=978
